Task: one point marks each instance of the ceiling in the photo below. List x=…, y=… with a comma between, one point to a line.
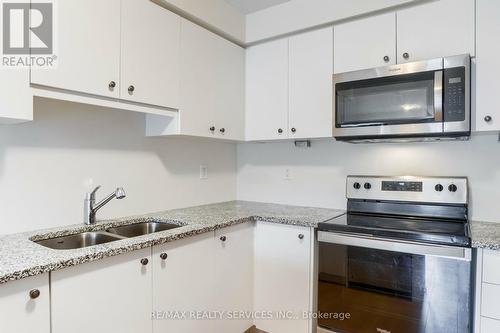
x=250, y=6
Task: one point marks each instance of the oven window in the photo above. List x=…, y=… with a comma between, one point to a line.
x=390, y=100
x=385, y=291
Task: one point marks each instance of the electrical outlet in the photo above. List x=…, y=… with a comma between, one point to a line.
x=288, y=174
x=203, y=172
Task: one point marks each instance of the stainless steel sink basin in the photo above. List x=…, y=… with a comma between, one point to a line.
x=79, y=241
x=139, y=229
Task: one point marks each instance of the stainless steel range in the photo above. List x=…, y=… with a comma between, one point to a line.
x=399, y=260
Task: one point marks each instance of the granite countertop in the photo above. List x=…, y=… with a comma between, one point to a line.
x=20, y=257
x=485, y=235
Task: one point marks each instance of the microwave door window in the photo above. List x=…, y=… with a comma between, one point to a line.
x=386, y=101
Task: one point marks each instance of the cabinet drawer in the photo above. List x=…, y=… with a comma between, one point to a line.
x=489, y=301
x=489, y=325
x=491, y=267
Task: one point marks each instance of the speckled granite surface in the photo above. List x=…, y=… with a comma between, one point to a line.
x=20, y=257
x=485, y=235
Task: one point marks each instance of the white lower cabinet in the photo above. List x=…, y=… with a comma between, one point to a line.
x=24, y=306
x=490, y=325
x=487, y=309
x=109, y=295
x=282, y=277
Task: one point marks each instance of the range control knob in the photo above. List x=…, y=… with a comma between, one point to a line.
x=368, y=186
x=357, y=185
x=439, y=188
x=452, y=188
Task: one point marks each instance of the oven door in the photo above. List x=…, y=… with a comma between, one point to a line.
x=367, y=284
x=399, y=100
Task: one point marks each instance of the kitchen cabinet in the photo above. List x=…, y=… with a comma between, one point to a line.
x=234, y=275
x=87, y=49
x=183, y=284
x=267, y=91
x=365, y=43
x=109, y=295
x=487, y=116
x=437, y=29
x=283, y=276
x=212, y=85
x=310, y=84
x=150, y=39
x=25, y=305
x=490, y=325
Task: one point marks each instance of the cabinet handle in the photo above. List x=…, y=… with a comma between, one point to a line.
x=293, y=130
x=223, y=238
x=301, y=236
x=131, y=89
x=488, y=119
x=212, y=129
x=406, y=55
x=112, y=85
x=163, y=256
x=386, y=58
x=222, y=130
x=35, y=293
x=144, y=261
x=280, y=130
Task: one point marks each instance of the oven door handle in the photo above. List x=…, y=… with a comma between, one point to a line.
x=396, y=246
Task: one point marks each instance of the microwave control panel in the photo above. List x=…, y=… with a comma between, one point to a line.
x=454, y=94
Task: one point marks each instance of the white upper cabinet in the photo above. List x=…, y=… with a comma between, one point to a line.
x=25, y=305
x=487, y=65
x=311, y=68
x=365, y=43
x=267, y=91
x=434, y=30
x=87, y=49
x=150, y=39
x=110, y=295
x=212, y=85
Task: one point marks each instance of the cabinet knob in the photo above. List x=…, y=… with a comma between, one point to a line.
x=222, y=130
x=488, y=119
x=293, y=130
x=35, y=293
x=280, y=130
x=144, y=261
x=212, y=129
x=223, y=238
x=131, y=89
x=112, y=85
x=163, y=256
x=301, y=236
x=406, y=55
x=386, y=58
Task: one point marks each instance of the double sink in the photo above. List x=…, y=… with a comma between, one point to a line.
x=85, y=239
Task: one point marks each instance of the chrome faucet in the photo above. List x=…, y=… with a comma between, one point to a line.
x=90, y=207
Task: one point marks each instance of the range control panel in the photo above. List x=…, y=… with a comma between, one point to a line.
x=452, y=190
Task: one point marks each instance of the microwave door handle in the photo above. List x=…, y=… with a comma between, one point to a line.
x=396, y=246
x=438, y=96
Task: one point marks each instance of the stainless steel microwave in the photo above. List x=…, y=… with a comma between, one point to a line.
x=420, y=100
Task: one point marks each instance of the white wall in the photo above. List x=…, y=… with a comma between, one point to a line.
x=318, y=173
x=46, y=167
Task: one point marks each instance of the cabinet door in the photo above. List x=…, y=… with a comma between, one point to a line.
x=267, y=91
x=87, y=49
x=19, y=312
x=230, y=90
x=234, y=275
x=365, y=43
x=487, y=65
x=311, y=69
x=434, y=30
x=489, y=325
x=183, y=284
x=282, y=279
x=110, y=295
x=198, y=78
x=150, y=46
